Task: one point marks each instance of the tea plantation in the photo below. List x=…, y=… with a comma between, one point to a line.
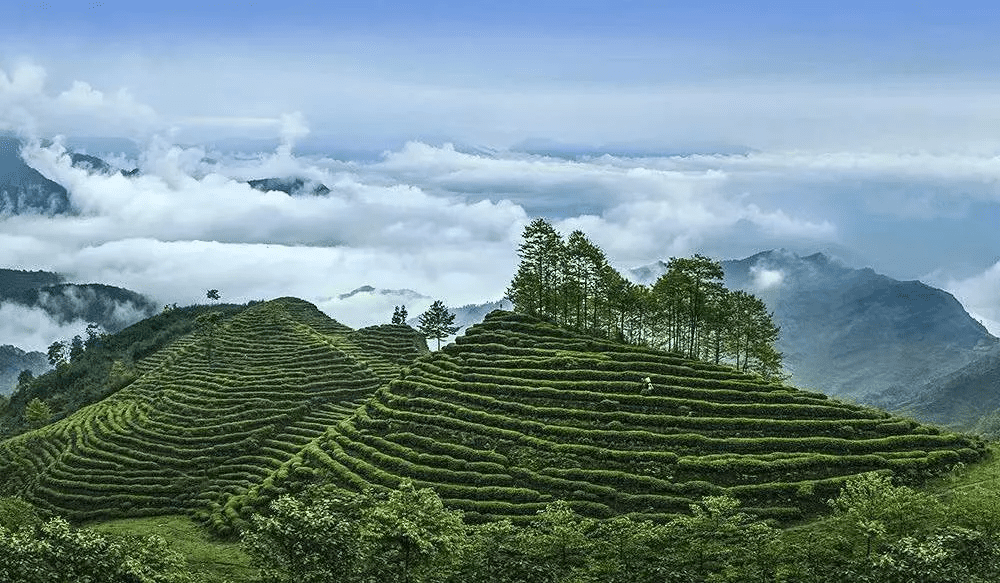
x=518, y=413
x=208, y=416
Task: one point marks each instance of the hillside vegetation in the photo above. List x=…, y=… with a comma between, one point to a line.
x=519, y=413
x=207, y=416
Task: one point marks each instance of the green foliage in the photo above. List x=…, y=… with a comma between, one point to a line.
x=183, y=432
x=57, y=353
x=399, y=315
x=76, y=349
x=72, y=385
x=16, y=513
x=872, y=509
x=54, y=553
x=437, y=322
x=405, y=535
x=24, y=379
x=688, y=310
x=208, y=559
x=37, y=413
x=300, y=543
x=519, y=412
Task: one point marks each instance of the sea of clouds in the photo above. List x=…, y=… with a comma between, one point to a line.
x=446, y=220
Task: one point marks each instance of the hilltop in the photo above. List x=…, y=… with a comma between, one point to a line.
x=518, y=413
x=214, y=411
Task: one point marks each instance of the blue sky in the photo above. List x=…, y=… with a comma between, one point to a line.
x=867, y=129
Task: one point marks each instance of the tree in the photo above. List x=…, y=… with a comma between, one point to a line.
x=209, y=324
x=873, y=509
x=406, y=536
x=25, y=377
x=437, y=322
x=411, y=537
x=212, y=294
x=37, y=413
x=93, y=335
x=54, y=552
x=76, y=349
x=57, y=353
x=399, y=315
x=534, y=289
x=299, y=542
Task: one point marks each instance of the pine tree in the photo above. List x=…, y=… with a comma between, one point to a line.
x=399, y=315
x=437, y=322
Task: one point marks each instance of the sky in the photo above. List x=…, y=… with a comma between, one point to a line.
x=867, y=130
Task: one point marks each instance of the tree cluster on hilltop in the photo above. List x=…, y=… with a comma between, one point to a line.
x=688, y=310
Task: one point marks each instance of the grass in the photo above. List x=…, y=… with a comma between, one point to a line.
x=209, y=559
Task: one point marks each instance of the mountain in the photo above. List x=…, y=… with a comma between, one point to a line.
x=853, y=332
x=15, y=283
x=394, y=294
x=24, y=190
x=968, y=398
x=13, y=360
x=518, y=413
x=205, y=417
x=111, y=307
x=290, y=186
x=471, y=314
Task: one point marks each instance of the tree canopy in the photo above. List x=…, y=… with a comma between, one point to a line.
x=437, y=322
x=687, y=310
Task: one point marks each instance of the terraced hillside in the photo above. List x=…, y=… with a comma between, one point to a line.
x=517, y=413
x=208, y=416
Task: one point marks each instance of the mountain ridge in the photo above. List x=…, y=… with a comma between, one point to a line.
x=853, y=332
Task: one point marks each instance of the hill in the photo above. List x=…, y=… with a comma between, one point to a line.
x=87, y=379
x=518, y=413
x=968, y=398
x=15, y=283
x=853, y=332
x=207, y=416
x=24, y=190
x=13, y=360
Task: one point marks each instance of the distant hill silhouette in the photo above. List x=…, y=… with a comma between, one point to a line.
x=291, y=186
x=111, y=307
x=13, y=360
x=24, y=190
x=853, y=332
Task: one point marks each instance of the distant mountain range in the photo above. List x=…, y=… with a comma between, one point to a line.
x=13, y=361
x=968, y=398
x=112, y=308
x=24, y=190
x=290, y=186
x=855, y=333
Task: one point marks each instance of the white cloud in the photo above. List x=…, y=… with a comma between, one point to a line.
x=980, y=294
x=765, y=279
x=33, y=329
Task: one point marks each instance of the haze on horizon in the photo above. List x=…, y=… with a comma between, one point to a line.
x=441, y=128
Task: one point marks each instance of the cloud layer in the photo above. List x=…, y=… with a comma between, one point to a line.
x=446, y=220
